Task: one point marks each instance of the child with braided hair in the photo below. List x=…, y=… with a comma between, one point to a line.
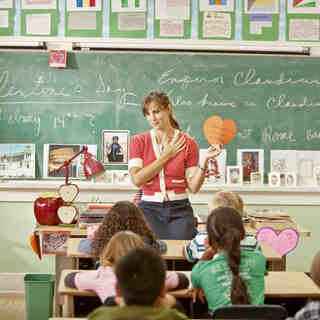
x=228, y=274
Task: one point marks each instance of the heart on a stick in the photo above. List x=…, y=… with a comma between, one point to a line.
x=218, y=131
x=282, y=242
x=67, y=214
x=68, y=192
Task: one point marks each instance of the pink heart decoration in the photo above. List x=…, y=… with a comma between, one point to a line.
x=282, y=242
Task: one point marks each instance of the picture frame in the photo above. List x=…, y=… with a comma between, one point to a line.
x=234, y=175
x=54, y=155
x=256, y=178
x=17, y=160
x=115, y=147
x=316, y=176
x=121, y=177
x=220, y=178
x=106, y=177
x=274, y=179
x=291, y=179
x=251, y=160
x=54, y=242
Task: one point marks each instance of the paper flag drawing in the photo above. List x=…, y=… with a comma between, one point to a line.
x=282, y=242
x=218, y=131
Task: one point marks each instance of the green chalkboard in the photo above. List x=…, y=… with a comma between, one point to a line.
x=274, y=100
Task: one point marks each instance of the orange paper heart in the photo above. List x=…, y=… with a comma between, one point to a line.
x=218, y=131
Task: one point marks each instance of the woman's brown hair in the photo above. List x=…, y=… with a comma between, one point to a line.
x=119, y=245
x=124, y=215
x=163, y=101
x=225, y=231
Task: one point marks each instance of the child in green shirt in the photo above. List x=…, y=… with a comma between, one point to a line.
x=226, y=273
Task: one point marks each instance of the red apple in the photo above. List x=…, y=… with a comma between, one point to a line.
x=46, y=208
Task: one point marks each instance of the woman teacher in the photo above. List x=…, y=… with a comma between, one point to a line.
x=164, y=164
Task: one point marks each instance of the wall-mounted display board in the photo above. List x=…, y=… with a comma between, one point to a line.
x=247, y=20
x=303, y=20
x=273, y=100
x=39, y=18
x=7, y=8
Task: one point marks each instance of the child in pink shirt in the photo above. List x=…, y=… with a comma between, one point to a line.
x=102, y=281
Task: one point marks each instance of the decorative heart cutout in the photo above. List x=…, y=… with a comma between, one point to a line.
x=68, y=192
x=282, y=242
x=218, y=131
x=67, y=214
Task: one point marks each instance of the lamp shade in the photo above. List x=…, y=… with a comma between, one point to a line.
x=91, y=166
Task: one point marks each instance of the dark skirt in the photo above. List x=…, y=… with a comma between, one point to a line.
x=170, y=219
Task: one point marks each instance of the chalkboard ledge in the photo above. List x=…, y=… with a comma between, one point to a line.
x=29, y=190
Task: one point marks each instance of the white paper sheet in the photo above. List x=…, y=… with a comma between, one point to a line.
x=38, y=24
x=257, y=26
x=6, y=4
x=72, y=6
x=172, y=9
x=304, y=29
x=205, y=5
x=131, y=21
x=261, y=6
x=217, y=24
x=4, y=19
x=82, y=21
x=116, y=6
x=296, y=6
x=39, y=4
x=171, y=28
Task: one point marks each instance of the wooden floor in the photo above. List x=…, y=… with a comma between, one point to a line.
x=12, y=306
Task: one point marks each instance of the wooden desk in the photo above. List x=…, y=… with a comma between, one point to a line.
x=277, y=285
x=174, y=253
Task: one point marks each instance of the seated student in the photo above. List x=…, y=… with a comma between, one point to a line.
x=230, y=274
x=102, y=281
x=312, y=309
x=196, y=247
x=124, y=215
x=140, y=289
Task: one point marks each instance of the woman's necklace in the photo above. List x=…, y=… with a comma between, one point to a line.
x=163, y=142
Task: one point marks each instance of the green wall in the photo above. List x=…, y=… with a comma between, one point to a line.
x=18, y=222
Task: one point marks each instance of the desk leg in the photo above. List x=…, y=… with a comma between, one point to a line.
x=68, y=306
x=62, y=262
x=278, y=265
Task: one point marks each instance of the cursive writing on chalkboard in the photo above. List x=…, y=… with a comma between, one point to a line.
x=312, y=135
x=186, y=80
x=251, y=78
x=283, y=102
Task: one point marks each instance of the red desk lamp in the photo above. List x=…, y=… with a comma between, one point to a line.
x=68, y=191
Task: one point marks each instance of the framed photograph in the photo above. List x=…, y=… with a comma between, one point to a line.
x=54, y=242
x=274, y=179
x=115, y=147
x=54, y=155
x=106, y=177
x=256, y=178
x=316, y=176
x=121, y=177
x=307, y=160
x=251, y=160
x=234, y=175
x=291, y=179
x=217, y=170
x=17, y=161
x=283, y=161
x=261, y=7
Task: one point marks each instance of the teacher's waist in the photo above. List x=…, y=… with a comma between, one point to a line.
x=169, y=195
